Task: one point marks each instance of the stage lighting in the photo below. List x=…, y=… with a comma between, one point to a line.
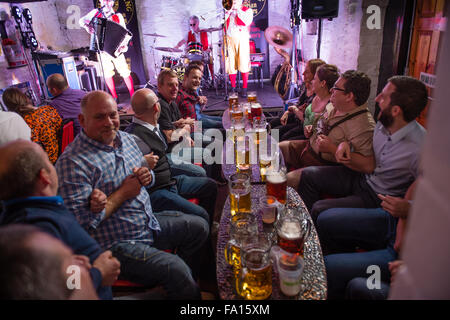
x=27, y=15
x=16, y=13
x=33, y=42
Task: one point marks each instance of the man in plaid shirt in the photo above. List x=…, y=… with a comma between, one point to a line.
x=102, y=176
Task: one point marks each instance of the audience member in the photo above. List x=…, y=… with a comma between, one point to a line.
x=28, y=185
x=343, y=230
x=349, y=121
x=13, y=127
x=191, y=104
x=291, y=123
x=65, y=99
x=45, y=122
x=168, y=193
x=36, y=266
x=102, y=158
x=397, y=141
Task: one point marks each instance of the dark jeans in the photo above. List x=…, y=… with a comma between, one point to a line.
x=209, y=122
x=151, y=266
x=175, y=197
x=292, y=130
x=349, y=187
x=186, y=168
x=343, y=230
x=357, y=290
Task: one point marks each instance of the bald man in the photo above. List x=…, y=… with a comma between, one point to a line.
x=65, y=99
x=104, y=159
x=28, y=187
x=170, y=193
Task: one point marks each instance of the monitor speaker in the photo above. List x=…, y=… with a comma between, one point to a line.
x=320, y=9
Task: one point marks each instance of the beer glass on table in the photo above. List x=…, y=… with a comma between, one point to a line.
x=276, y=183
x=239, y=186
x=232, y=99
x=256, y=111
x=251, y=96
x=292, y=231
x=236, y=113
x=242, y=225
x=255, y=278
x=243, y=155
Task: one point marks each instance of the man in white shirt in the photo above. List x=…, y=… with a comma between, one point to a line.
x=13, y=127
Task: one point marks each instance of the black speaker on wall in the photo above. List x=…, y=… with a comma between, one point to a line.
x=320, y=9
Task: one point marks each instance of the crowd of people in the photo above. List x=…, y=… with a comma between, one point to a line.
x=116, y=204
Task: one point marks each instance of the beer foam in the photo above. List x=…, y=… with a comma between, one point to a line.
x=290, y=230
x=275, y=178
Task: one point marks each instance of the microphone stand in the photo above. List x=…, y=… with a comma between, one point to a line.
x=225, y=53
x=295, y=21
x=94, y=25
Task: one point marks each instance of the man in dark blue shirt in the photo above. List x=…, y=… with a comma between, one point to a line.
x=28, y=188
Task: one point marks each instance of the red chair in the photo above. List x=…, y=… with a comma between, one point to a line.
x=66, y=135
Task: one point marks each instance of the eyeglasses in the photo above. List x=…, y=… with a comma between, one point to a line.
x=192, y=24
x=338, y=89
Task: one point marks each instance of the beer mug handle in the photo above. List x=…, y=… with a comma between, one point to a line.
x=228, y=253
x=239, y=282
x=306, y=224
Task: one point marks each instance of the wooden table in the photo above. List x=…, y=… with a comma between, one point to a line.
x=313, y=277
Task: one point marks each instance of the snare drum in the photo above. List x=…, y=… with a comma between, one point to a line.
x=195, y=51
x=169, y=62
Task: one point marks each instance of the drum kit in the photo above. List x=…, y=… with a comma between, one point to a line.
x=178, y=63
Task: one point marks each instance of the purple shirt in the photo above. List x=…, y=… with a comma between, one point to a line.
x=68, y=105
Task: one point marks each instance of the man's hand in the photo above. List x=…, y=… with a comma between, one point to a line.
x=144, y=176
x=394, y=266
x=342, y=154
x=130, y=187
x=396, y=206
x=98, y=201
x=108, y=266
x=308, y=130
x=202, y=100
x=152, y=160
x=284, y=118
x=325, y=145
x=189, y=121
x=178, y=123
x=81, y=261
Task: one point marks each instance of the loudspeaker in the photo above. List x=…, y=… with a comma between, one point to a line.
x=320, y=9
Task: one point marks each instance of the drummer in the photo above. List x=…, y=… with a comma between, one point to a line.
x=195, y=34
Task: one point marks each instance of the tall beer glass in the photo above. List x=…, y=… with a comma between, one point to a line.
x=276, y=184
x=240, y=201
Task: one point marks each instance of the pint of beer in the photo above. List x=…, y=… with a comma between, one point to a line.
x=276, y=184
x=256, y=111
x=255, y=277
x=251, y=96
x=239, y=186
x=232, y=99
x=292, y=232
x=265, y=162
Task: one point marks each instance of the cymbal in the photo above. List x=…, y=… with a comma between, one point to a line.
x=212, y=29
x=168, y=49
x=278, y=37
x=154, y=35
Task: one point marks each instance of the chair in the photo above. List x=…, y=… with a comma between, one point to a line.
x=256, y=65
x=66, y=134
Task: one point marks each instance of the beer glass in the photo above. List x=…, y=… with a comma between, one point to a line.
x=247, y=111
x=236, y=113
x=265, y=161
x=292, y=232
x=242, y=225
x=276, y=183
x=232, y=99
x=269, y=209
x=240, y=201
x=251, y=96
x=255, y=278
x=260, y=128
x=243, y=155
x=256, y=111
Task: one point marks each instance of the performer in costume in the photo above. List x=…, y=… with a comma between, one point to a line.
x=108, y=61
x=195, y=34
x=237, y=26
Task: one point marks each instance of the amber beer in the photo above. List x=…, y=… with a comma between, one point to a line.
x=290, y=236
x=240, y=200
x=256, y=111
x=251, y=96
x=232, y=100
x=264, y=163
x=236, y=113
x=276, y=184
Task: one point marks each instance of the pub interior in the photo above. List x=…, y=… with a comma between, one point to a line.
x=224, y=150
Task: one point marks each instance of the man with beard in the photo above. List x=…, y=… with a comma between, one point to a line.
x=397, y=141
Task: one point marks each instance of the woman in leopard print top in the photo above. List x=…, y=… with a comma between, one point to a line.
x=44, y=121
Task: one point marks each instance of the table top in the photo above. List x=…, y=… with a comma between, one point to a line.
x=313, y=277
x=226, y=120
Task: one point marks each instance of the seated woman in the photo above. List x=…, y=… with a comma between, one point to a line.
x=324, y=79
x=44, y=121
x=290, y=123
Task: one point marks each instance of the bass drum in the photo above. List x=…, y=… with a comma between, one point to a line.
x=281, y=79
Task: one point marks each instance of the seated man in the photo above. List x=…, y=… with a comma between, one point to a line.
x=170, y=120
x=103, y=158
x=169, y=193
x=65, y=99
x=349, y=121
x=28, y=186
x=190, y=103
x=342, y=230
x=13, y=127
x=397, y=141
x=37, y=266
